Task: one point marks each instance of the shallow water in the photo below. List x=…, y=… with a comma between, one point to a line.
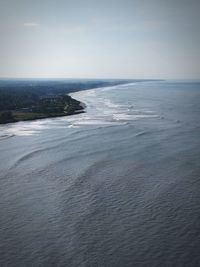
x=116, y=186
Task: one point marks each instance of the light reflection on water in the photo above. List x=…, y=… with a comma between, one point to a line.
x=100, y=110
x=116, y=186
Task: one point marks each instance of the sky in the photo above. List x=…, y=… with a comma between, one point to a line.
x=136, y=39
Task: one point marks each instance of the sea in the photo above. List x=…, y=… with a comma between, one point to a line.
x=116, y=186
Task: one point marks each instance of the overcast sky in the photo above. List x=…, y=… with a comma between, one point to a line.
x=100, y=39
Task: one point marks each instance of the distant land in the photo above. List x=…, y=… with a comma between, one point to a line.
x=26, y=99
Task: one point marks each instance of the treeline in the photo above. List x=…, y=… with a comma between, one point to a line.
x=57, y=104
x=21, y=94
x=12, y=99
x=24, y=100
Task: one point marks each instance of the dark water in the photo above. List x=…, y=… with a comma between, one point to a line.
x=117, y=186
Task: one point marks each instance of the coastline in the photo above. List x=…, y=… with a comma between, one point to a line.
x=71, y=107
x=53, y=104
x=47, y=116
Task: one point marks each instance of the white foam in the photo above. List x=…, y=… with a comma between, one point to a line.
x=27, y=128
x=101, y=109
x=128, y=117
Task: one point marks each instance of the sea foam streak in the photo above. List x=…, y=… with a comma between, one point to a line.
x=101, y=109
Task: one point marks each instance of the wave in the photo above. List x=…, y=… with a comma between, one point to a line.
x=28, y=156
x=6, y=136
x=104, y=107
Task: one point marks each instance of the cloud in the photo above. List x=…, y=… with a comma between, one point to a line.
x=30, y=24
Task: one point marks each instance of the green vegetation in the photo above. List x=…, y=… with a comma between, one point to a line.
x=6, y=116
x=37, y=99
x=39, y=107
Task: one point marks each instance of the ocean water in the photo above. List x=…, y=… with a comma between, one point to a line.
x=116, y=186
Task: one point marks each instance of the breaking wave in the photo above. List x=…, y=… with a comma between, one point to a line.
x=104, y=108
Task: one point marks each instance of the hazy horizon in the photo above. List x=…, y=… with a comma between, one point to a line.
x=100, y=40
x=100, y=78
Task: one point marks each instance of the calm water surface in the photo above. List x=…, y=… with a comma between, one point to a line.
x=116, y=186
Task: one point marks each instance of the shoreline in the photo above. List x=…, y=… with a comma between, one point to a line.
x=46, y=117
x=70, y=107
x=30, y=116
